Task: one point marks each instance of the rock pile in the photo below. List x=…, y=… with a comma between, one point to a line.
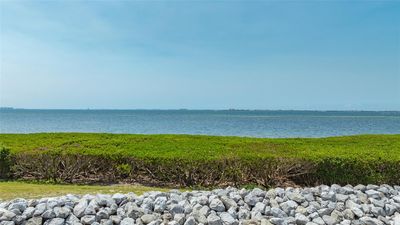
x=369, y=205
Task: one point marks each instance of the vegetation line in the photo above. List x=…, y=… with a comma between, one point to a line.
x=187, y=160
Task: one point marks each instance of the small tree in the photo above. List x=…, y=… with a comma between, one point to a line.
x=5, y=162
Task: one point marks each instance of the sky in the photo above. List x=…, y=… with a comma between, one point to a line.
x=307, y=55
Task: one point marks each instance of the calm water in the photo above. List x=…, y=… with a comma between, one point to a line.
x=236, y=123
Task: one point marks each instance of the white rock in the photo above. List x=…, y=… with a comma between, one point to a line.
x=79, y=209
x=301, y=219
x=190, y=221
x=88, y=219
x=370, y=221
x=127, y=221
x=213, y=219
x=227, y=219
x=6, y=214
x=217, y=205
x=55, y=221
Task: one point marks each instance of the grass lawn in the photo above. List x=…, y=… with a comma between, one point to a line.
x=16, y=189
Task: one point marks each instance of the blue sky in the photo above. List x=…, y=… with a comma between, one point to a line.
x=200, y=55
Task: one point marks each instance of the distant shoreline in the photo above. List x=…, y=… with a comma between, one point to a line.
x=223, y=110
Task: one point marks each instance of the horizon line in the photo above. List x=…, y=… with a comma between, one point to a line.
x=193, y=109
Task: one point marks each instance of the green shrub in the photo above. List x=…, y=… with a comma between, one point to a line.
x=5, y=162
x=124, y=170
x=184, y=160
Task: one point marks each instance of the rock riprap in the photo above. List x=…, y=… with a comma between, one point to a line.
x=363, y=205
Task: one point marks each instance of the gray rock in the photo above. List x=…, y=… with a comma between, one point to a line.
x=102, y=214
x=205, y=210
x=28, y=213
x=341, y=197
x=104, y=200
x=72, y=220
x=217, y=205
x=53, y=203
x=277, y=212
x=378, y=211
x=106, y=222
x=88, y=219
x=190, y=221
x=324, y=211
x=34, y=221
x=288, y=206
x=330, y=220
x=258, y=192
x=390, y=209
x=243, y=214
x=251, y=199
x=259, y=207
x=127, y=221
x=321, y=205
x=39, y=209
x=177, y=209
x=62, y=212
x=366, y=208
x=156, y=222
x=277, y=221
x=348, y=214
x=79, y=209
x=301, y=210
x=19, y=219
x=397, y=219
x=147, y=218
x=49, y=214
x=370, y=221
x=55, y=221
x=295, y=196
x=200, y=216
x=373, y=194
x=213, y=219
x=118, y=198
x=160, y=204
x=360, y=187
x=328, y=196
x=372, y=187
x=227, y=219
x=319, y=221
x=116, y=219
x=377, y=203
x=384, y=220
x=92, y=208
x=179, y=218
x=357, y=212
x=133, y=211
x=148, y=204
x=6, y=214
x=228, y=203
x=20, y=206
x=301, y=219
x=7, y=223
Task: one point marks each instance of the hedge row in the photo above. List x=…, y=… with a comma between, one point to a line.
x=267, y=171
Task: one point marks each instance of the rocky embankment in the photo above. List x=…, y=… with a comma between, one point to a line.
x=329, y=205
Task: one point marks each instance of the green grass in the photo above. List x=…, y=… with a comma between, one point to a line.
x=385, y=147
x=15, y=189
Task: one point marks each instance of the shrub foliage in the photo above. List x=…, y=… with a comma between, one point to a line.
x=181, y=160
x=5, y=162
